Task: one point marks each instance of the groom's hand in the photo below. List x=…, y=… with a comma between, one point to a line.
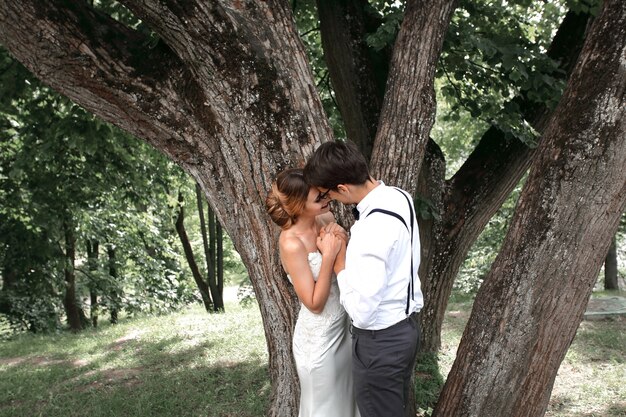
x=338, y=231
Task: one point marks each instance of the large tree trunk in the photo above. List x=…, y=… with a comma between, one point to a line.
x=226, y=92
x=530, y=305
x=408, y=110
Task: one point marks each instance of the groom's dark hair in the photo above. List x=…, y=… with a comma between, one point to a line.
x=335, y=163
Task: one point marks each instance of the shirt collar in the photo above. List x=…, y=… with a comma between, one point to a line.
x=368, y=201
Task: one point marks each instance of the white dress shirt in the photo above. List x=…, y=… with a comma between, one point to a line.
x=374, y=283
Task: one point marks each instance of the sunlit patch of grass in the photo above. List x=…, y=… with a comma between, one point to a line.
x=197, y=364
x=591, y=378
x=186, y=364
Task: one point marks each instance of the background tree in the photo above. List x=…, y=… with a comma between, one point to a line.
x=233, y=101
x=610, y=267
x=68, y=181
x=201, y=281
x=212, y=242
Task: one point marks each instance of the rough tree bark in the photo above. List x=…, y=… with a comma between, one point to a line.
x=529, y=307
x=477, y=190
x=226, y=92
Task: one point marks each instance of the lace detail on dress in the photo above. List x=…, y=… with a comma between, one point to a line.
x=312, y=330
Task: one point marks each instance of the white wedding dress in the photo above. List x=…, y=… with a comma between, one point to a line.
x=323, y=353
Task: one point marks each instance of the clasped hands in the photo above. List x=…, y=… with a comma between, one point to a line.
x=332, y=239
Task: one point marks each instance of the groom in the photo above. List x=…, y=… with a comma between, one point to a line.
x=377, y=277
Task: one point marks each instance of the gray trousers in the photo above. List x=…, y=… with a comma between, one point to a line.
x=382, y=365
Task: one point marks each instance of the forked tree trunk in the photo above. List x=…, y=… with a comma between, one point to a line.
x=467, y=201
x=463, y=205
x=528, y=310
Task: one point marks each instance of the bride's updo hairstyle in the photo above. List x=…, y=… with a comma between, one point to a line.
x=287, y=198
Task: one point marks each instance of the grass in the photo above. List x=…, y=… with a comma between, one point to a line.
x=591, y=379
x=196, y=364
x=186, y=364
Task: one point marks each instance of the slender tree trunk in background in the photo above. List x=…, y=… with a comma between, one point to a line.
x=527, y=311
x=219, y=301
x=9, y=279
x=72, y=309
x=114, y=295
x=212, y=238
x=92, y=262
x=216, y=256
x=191, y=260
x=209, y=254
x=610, y=267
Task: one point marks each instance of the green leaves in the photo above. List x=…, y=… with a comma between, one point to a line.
x=385, y=34
x=59, y=164
x=496, y=54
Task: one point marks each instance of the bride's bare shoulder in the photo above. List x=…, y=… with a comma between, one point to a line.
x=290, y=243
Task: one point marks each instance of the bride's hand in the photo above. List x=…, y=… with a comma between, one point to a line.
x=328, y=244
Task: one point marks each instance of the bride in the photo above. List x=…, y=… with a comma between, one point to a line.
x=309, y=243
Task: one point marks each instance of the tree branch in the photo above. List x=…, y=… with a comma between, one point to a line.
x=408, y=110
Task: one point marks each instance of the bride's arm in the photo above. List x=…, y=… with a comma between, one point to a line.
x=294, y=256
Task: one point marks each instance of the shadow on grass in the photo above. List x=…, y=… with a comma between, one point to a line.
x=139, y=378
x=600, y=340
x=563, y=407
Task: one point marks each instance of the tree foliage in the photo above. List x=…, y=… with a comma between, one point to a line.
x=60, y=164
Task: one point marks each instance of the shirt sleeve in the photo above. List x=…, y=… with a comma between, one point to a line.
x=363, y=281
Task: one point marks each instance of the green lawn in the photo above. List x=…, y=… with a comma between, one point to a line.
x=186, y=364
x=196, y=364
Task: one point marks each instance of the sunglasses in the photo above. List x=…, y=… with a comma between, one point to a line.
x=322, y=196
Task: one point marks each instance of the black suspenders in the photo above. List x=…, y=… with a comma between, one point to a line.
x=410, y=289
